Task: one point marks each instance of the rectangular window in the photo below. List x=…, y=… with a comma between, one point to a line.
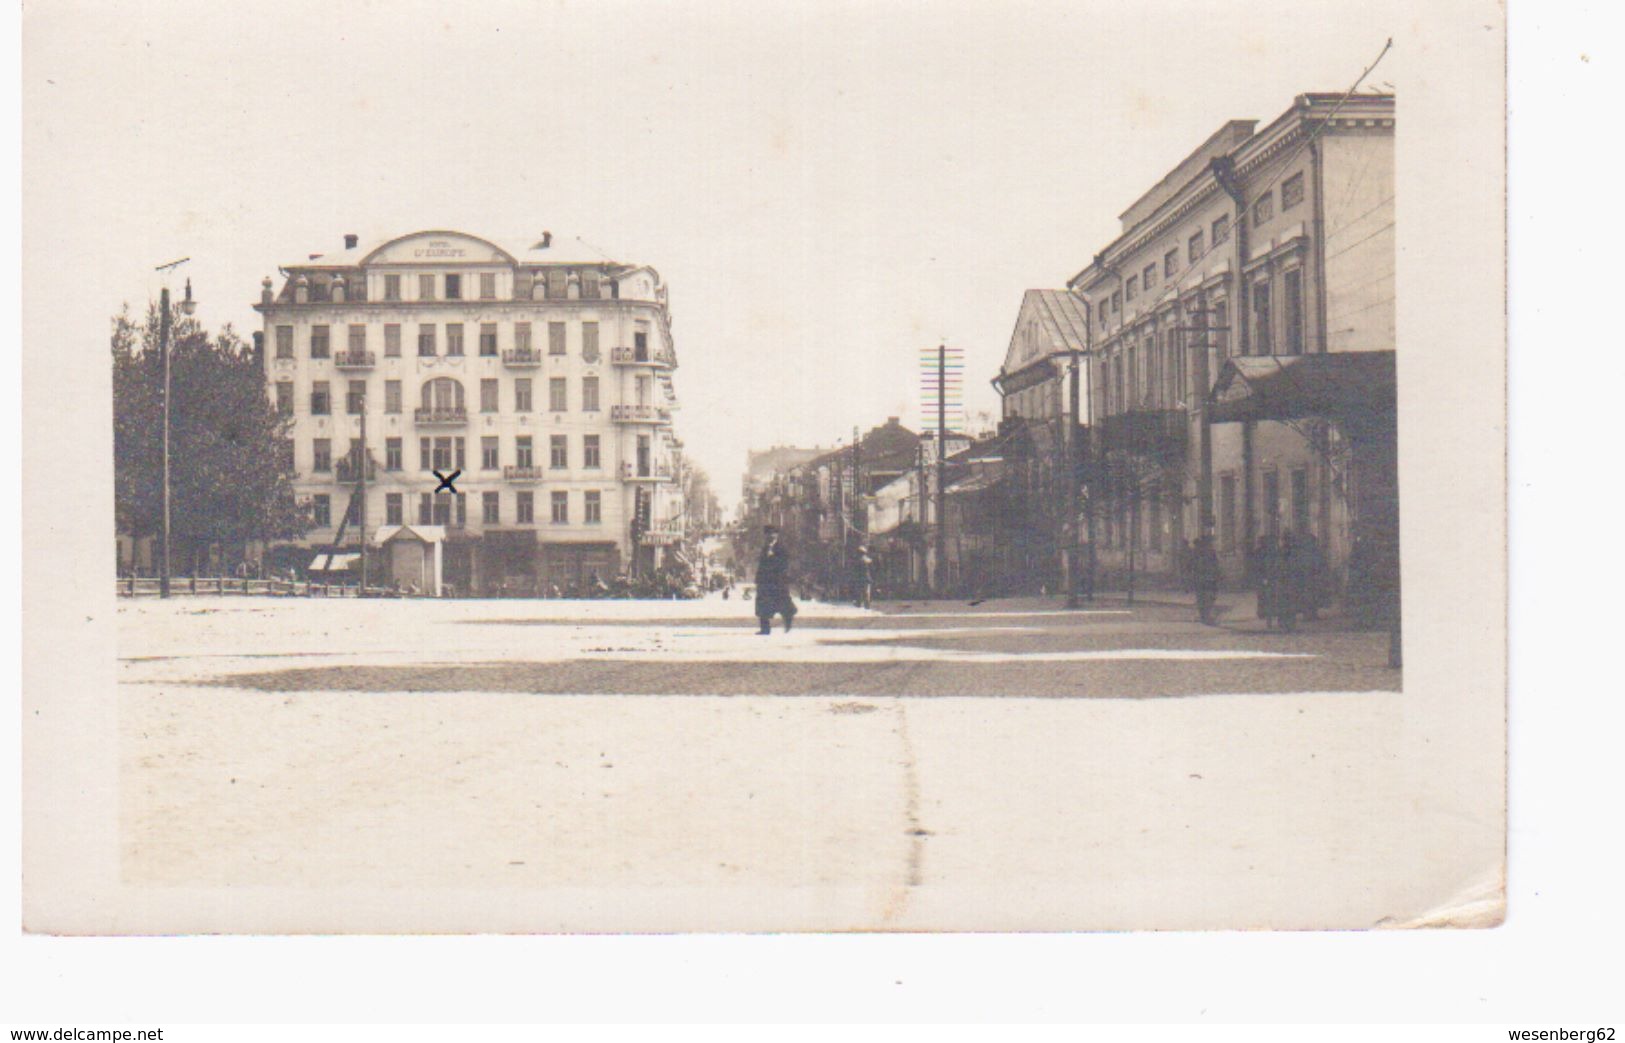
x=1227, y=513
x=321, y=454
x=1193, y=249
x=392, y=340
x=1263, y=208
x=392, y=454
x=557, y=283
x=525, y=507
x=454, y=287
x=644, y=456
x=358, y=339
x=392, y=287
x=284, y=398
x=591, y=452
x=457, y=453
x=561, y=507
x=595, y=507
x=1292, y=191
x=284, y=342
x=1263, y=344
x=355, y=398
x=1300, y=500
x=1170, y=263
x=1221, y=333
x=589, y=394
x=490, y=508
x=489, y=453
x=526, y=456
x=392, y=396
x=488, y=339
x=1131, y=289
x=1221, y=229
x=521, y=336
x=321, y=401
x=558, y=452
x=640, y=345
x=425, y=509
x=521, y=394
x=1117, y=302
x=319, y=348
x=589, y=284
x=555, y=338
x=558, y=396
x=454, y=339
x=1148, y=277
x=488, y=396
x=321, y=509
x=589, y=340
x=1292, y=310
x=488, y=286
x=425, y=287
x=426, y=341
x=1272, y=503
x=394, y=509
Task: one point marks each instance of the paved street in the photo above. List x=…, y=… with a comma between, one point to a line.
x=869, y=769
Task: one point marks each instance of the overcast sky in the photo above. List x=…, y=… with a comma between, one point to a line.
x=825, y=187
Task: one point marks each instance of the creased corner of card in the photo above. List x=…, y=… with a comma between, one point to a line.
x=1481, y=903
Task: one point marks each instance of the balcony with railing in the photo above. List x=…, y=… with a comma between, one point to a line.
x=518, y=473
x=655, y=473
x=634, y=357
x=636, y=414
x=355, y=360
x=441, y=415
x=347, y=470
x=522, y=358
x=1161, y=433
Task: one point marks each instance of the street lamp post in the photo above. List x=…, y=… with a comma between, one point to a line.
x=188, y=306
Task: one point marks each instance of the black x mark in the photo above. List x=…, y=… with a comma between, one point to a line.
x=445, y=485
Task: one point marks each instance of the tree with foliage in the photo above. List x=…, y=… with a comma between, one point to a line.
x=226, y=463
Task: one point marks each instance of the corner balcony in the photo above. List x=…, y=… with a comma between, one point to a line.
x=516, y=473
x=634, y=357
x=355, y=360
x=441, y=417
x=522, y=358
x=657, y=473
x=637, y=415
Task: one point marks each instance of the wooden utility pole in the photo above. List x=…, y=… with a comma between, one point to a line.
x=942, y=468
x=163, y=350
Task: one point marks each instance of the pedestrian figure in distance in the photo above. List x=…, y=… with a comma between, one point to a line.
x=773, y=583
x=865, y=578
x=1204, y=564
x=1289, y=581
x=1264, y=578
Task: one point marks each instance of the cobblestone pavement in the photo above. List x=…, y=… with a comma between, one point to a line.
x=620, y=765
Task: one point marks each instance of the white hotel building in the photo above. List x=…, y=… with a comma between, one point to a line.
x=546, y=379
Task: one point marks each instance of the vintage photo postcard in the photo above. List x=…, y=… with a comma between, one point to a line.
x=631, y=467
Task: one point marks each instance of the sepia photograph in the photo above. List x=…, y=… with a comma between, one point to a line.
x=701, y=468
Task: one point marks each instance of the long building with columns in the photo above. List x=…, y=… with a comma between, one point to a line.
x=544, y=377
x=1242, y=348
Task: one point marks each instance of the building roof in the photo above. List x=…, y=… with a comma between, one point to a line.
x=526, y=251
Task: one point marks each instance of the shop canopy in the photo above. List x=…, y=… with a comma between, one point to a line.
x=1352, y=386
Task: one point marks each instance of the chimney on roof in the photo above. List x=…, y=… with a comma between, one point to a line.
x=351, y=240
x=547, y=240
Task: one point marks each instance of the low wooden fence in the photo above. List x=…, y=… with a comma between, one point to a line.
x=148, y=587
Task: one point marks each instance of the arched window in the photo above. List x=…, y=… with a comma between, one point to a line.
x=443, y=394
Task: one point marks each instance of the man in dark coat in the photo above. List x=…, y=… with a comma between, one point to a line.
x=773, y=583
x=1204, y=565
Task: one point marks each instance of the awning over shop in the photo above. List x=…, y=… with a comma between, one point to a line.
x=333, y=562
x=974, y=484
x=1353, y=386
